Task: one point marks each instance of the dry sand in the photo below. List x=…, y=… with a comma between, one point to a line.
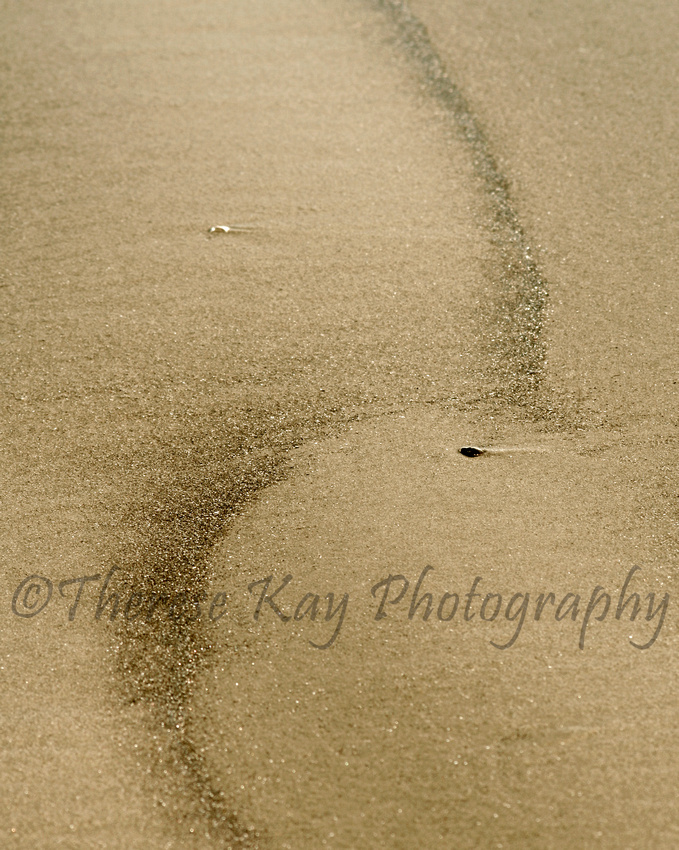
x=458, y=238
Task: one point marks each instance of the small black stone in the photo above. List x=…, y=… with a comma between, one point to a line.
x=471, y=451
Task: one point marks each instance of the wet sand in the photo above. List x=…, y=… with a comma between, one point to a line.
x=459, y=237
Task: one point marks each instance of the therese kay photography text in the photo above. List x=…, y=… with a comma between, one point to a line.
x=394, y=596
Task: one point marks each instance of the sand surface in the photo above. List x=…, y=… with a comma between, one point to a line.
x=461, y=230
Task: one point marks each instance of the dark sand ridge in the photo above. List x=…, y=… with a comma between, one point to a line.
x=411, y=733
x=217, y=368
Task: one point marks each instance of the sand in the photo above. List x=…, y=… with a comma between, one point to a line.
x=459, y=232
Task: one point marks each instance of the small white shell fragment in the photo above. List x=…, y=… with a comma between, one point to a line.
x=231, y=228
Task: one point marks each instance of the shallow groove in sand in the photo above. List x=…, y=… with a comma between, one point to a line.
x=518, y=350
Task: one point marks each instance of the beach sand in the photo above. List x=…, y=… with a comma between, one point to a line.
x=464, y=237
